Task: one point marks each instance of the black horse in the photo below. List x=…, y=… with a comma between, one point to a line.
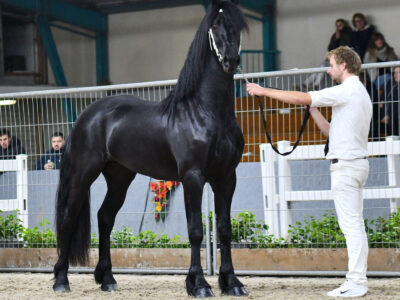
x=192, y=136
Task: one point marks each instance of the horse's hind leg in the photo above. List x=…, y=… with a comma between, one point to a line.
x=223, y=192
x=73, y=219
x=118, y=180
x=196, y=284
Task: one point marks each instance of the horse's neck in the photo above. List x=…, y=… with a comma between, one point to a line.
x=216, y=88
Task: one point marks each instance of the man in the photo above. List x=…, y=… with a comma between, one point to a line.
x=52, y=158
x=348, y=135
x=10, y=147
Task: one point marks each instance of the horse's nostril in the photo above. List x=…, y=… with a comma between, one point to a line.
x=225, y=59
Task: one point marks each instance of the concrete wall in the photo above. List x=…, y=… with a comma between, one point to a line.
x=152, y=45
x=304, y=27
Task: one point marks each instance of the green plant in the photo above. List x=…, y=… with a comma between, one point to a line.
x=386, y=232
x=39, y=237
x=324, y=233
x=10, y=227
x=122, y=239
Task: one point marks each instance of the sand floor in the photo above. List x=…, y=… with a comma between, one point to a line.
x=165, y=287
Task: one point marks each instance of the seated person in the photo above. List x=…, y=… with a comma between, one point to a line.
x=391, y=105
x=52, y=158
x=379, y=51
x=10, y=146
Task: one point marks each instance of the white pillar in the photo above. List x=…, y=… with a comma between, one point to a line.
x=393, y=164
x=22, y=188
x=285, y=185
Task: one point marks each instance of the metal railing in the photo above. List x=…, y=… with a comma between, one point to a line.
x=36, y=115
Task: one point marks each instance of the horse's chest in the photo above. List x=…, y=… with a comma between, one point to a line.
x=228, y=149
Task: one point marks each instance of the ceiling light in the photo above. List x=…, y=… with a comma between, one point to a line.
x=8, y=102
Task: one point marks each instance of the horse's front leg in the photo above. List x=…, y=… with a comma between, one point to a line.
x=196, y=284
x=223, y=192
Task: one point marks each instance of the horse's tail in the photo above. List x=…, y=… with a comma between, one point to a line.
x=79, y=243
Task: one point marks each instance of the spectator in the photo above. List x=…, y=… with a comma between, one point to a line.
x=391, y=104
x=10, y=146
x=379, y=51
x=362, y=34
x=341, y=37
x=52, y=158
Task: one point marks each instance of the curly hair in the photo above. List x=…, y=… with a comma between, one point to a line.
x=345, y=54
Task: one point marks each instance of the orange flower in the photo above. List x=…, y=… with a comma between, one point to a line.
x=162, y=194
x=153, y=186
x=169, y=184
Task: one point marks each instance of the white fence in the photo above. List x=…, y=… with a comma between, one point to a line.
x=276, y=203
x=20, y=167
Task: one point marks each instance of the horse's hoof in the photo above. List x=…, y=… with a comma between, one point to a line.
x=61, y=288
x=204, y=292
x=112, y=287
x=238, y=291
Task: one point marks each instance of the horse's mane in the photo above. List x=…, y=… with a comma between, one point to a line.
x=196, y=59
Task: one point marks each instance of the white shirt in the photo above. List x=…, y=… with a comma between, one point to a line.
x=351, y=118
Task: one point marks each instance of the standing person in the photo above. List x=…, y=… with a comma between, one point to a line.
x=52, y=158
x=348, y=135
x=379, y=51
x=10, y=146
x=341, y=37
x=391, y=109
x=362, y=34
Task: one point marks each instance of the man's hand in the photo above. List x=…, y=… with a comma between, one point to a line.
x=254, y=89
x=385, y=119
x=48, y=166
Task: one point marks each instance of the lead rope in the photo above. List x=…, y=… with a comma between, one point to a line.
x=306, y=117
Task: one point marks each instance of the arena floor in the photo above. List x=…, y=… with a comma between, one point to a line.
x=38, y=286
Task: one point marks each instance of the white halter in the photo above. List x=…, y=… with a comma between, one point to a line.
x=213, y=45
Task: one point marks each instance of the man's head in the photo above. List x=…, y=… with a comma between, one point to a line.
x=359, y=21
x=343, y=62
x=57, y=140
x=396, y=74
x=5, y=138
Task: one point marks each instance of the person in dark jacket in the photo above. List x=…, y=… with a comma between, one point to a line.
x=342, y=35
x=52, y=158
x=10, y=146
x=391, y=107
x=362, y=34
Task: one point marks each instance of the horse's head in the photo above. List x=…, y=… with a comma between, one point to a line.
x=225, y=33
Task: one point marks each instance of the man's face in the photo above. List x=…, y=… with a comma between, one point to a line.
x=4, y=141
x=335, y=71
x=359, y=23
x=397, y=74
x=57, y=142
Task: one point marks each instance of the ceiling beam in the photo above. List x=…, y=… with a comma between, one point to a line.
x=62, y=11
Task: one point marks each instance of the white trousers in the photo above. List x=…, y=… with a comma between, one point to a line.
x=347, y=181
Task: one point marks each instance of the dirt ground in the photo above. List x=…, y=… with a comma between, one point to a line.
x=165, y=287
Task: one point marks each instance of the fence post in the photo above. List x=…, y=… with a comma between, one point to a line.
x=284, y=185
x=22, y=188
x=393, y=164
x=270, y=201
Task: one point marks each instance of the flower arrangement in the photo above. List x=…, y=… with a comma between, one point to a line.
x=162, y=190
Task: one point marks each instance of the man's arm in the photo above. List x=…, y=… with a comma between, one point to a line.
x=320, y=120
x=290, y=97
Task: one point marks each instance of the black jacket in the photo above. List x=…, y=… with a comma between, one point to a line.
x=14, y=148
x=360, y=40
x=344, y=40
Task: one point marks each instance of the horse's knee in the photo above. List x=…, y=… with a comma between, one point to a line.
x=224, y=232
x=195, y=236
